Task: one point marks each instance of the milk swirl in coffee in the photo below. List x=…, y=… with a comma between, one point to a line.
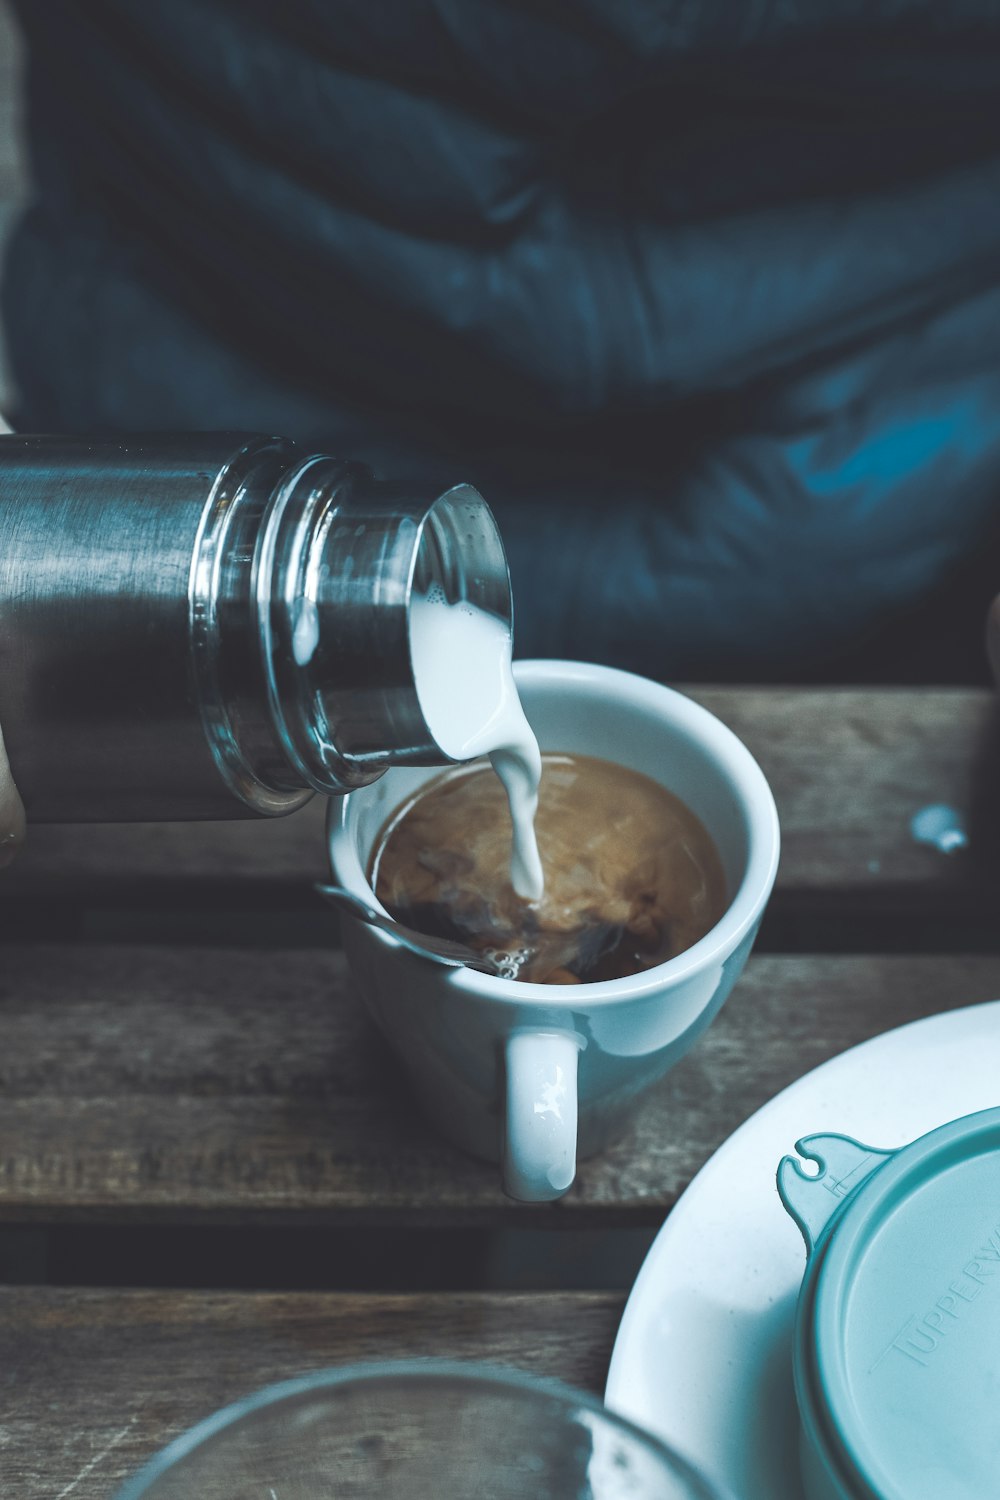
x=632, y=877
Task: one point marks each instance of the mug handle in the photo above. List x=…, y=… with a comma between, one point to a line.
x=540, y=1114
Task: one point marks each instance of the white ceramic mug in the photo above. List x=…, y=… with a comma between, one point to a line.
x=533, y=1075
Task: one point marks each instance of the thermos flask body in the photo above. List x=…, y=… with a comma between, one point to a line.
x=215, y=625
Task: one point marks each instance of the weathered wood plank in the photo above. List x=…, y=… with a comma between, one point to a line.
x=94, y=1382
x=849, y=769
x=198, y=1086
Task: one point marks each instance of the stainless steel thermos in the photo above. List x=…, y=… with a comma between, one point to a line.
x=215, y=625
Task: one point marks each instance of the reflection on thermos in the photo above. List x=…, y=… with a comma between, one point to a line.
x=215, y=625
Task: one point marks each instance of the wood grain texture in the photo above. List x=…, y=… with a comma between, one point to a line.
x=94, y=1382
x=848, y=768
x=199, y=1086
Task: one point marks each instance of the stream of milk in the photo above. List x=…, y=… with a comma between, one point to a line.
x=465, y=683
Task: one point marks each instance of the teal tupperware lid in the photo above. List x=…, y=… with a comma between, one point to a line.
x=902, y=1306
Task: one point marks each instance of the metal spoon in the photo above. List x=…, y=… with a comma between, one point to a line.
x=442, y=950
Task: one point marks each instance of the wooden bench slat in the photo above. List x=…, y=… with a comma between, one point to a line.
x=198, y=1085
x=94, y=1382
x=849, y=769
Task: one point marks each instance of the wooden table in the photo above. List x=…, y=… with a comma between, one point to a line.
x=190, y=1096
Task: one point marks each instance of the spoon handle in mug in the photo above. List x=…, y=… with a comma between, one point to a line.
x=540, y=1114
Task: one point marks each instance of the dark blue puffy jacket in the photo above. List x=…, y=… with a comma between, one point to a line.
x=704, y=296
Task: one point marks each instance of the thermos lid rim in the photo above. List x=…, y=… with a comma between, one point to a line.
x=899, y=1324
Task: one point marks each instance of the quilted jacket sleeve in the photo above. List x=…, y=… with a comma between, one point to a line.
x=706, y=297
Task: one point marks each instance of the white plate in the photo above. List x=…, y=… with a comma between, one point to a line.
x=704, y=1352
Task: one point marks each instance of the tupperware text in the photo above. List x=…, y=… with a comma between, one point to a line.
x=920, y=1336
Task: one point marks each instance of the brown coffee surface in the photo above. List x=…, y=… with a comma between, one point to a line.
x=632, y=877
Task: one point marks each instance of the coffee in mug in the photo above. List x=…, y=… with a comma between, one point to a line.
x=632, y=877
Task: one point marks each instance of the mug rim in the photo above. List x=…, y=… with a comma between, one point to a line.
x=743, y=911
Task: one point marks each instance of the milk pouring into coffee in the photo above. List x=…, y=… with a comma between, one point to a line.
x=462, y=670
x=631, y=876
